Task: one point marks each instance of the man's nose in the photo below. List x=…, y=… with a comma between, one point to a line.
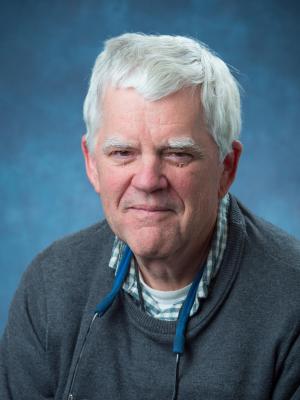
x=149, y=175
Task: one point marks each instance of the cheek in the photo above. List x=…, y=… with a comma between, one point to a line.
x=197, y=185
x=112, y=185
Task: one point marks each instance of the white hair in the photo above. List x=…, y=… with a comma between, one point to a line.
x=159, y=65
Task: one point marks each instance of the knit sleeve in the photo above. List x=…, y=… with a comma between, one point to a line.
x=24, y=370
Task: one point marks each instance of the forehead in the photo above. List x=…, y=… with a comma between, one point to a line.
x=126, y=104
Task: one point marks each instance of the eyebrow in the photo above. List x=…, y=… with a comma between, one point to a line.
x=184, y=143
x=115, y=142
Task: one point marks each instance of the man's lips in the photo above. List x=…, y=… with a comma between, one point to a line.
x=147, y=208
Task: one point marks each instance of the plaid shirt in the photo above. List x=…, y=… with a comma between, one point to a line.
x=211, y=268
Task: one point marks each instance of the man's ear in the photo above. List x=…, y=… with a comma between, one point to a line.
x=230, y=165
x=90, y=164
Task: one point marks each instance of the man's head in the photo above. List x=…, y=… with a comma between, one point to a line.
x=157, y=66
x=151, y=153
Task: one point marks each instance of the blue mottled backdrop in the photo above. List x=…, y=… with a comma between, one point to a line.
x=47, y=52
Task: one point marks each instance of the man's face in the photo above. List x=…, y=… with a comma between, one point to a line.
x=158, y=172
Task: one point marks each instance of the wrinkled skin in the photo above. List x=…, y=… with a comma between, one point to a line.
x=159, y=175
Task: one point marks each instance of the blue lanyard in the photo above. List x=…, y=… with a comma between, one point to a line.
x=106, y=302
x=179, y=339
x=122, y=272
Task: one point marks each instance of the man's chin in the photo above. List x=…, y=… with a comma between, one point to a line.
x=152, y=241
x=149, y=247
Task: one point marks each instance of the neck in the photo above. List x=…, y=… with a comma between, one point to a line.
x=176, y=271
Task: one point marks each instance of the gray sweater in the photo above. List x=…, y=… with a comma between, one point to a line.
x=243, y=344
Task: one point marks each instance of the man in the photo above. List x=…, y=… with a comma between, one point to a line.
x=182, y=293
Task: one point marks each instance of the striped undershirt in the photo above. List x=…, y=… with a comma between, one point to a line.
x=211, y=268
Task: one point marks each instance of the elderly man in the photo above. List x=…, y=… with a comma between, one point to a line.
x=181, y=293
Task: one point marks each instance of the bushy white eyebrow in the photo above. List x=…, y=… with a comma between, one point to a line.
x=181, y=143
x=115, y=142
x=184, y=143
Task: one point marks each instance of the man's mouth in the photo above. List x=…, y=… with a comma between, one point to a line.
x=147, y=208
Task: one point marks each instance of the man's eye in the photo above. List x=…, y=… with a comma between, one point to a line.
x=179, y=157
x=121, y=153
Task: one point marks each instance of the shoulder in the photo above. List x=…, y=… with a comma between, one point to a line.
x=87, y=239
x=269, y=241
x=65, y=277
x=72, y=260
x=270, y=261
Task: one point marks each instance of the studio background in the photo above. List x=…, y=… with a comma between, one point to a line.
x=47, y=51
